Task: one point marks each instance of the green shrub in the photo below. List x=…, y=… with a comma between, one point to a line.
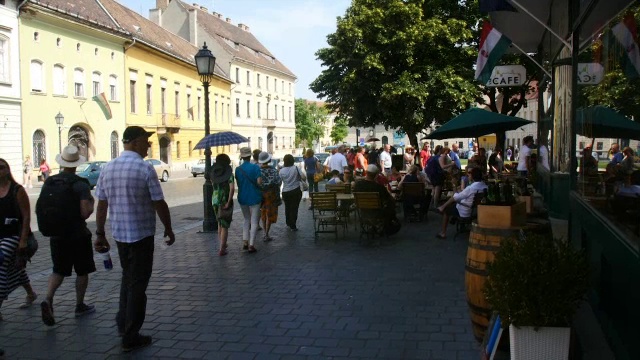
x=536, y=282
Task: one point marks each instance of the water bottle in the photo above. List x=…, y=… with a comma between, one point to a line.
x=106, y=259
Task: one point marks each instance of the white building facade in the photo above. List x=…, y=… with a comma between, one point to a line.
x=10, y=100
x=262, y=100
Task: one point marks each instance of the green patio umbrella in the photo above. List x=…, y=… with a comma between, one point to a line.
x=603, y=122
x=476, y=122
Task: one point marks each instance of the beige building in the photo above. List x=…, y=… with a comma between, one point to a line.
x=263, y=90
x=164, y=93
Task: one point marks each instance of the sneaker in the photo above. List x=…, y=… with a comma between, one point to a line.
x=47, y=313
x=252, y=249
x=84, y=309
x=138, y=343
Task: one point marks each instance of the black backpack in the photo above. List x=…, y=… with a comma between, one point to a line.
x=58, y=207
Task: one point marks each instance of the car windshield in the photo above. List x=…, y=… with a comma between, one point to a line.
x=298, y=159
x=82, y=167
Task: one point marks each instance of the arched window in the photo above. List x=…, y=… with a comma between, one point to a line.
x=78, y=80
x=385, y=140
x=96, y=79
x=39, y=146
x=37, y=76
x=113, y=88
x=115, y=150
x=59, y=80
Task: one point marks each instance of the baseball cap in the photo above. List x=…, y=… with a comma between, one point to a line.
x=133, y=132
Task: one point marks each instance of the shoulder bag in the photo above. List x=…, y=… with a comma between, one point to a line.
x=304, y=186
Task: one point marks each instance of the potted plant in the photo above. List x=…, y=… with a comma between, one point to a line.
x=536, y=285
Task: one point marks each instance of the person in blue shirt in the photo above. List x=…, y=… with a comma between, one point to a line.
x=248, y=177
x=617, y=154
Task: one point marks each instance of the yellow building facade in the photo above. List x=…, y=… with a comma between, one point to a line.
x=164, y=94
x=64, y=62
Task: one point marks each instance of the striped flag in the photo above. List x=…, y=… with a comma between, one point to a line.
x=492, y=46
x=625, y=34
x=101, y=99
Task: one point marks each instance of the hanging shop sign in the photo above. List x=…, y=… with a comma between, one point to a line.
x=507, y=75
x=590, y=73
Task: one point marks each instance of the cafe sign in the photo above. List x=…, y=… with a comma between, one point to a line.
x=590, y=73
x=507, y=75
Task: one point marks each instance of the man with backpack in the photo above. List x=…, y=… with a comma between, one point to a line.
x=64, y=204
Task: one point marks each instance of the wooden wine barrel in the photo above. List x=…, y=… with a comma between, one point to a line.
x=483, y=243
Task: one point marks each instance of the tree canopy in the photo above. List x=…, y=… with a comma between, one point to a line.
x=310, y=121
x=401, y=63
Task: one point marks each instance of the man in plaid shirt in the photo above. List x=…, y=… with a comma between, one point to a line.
x=129, y=188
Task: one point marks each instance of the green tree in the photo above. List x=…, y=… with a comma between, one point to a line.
x=401, y=63
x=339, y=130
x=310, y=121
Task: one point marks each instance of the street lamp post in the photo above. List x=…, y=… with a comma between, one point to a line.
x=60, y=122
x=205, y=63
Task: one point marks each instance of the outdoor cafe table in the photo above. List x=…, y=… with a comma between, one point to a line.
x=340, y=196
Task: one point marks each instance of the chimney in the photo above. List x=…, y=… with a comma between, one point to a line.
x=229, y=20
x=162, y=4
x=193, y=26
x=219, y=16
x=214, y=13
x=203, y=8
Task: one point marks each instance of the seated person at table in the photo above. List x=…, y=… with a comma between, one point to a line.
x=588, y=164
x=369, y=184
x=395, y=174
x=335, y=178
x=463, y=201
x=408, y=201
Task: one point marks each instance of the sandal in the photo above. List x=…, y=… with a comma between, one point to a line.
x=252, y=249
x=222, y=252
x=29, y=301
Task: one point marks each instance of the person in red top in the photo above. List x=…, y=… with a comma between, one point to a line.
x=360, y=161
x=351, y=155
x=425, y=154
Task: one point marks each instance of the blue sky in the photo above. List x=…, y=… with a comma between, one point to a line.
x=293, y=30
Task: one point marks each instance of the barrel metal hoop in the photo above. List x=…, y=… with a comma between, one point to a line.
x=479, y=246
x=476, y=271
x=480, y=310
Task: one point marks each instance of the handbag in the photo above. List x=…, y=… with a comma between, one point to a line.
x=304, y=186
x=317, y=177
x=226, y=214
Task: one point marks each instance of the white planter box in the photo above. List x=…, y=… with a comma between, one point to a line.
x=549, y=343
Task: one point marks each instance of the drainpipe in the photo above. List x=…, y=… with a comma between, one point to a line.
x=19, y=6
x=130, y=46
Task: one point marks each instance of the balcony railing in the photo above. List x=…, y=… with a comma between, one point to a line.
x=168, y=121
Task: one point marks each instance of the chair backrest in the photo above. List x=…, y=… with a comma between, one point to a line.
x=324, y=201
x=338, y=188
x=413, y=189
x=367, y=200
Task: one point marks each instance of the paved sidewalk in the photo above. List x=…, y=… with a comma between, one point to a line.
x=296, y=298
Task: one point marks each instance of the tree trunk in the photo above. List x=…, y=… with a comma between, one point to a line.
x=501, y=138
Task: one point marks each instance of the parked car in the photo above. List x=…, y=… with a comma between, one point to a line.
x=198, y=169
x=91, y=171
x=298, y=161
x=162, y=169
x=322, y=156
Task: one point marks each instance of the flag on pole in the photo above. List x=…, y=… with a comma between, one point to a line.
x=103, y=104
x=495, y=5
x=625, y=34
x=492, y=46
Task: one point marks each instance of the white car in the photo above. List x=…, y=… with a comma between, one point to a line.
x=162, y=169
x=198, y=168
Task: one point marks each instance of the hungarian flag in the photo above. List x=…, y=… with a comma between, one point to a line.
x=492, y=46
x=103, y=104
x=625, y=34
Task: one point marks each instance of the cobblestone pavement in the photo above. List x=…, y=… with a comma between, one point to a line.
x=296, y=298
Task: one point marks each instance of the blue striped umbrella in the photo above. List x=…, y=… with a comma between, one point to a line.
x=220, y=139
